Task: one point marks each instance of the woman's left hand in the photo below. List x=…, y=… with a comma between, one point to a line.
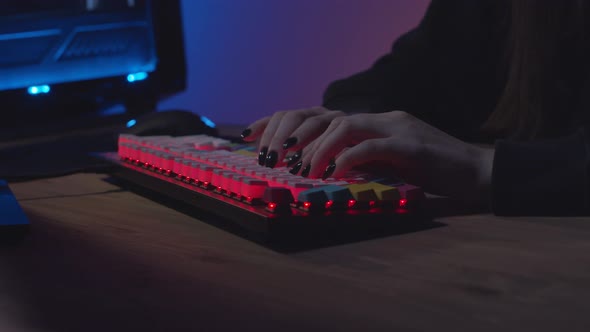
x=415, y=151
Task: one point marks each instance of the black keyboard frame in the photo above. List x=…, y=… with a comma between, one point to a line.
x=257, y=219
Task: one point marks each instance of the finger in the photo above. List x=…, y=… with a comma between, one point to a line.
x=253, y=131
x=304, y=161
x=310, y=149
x=267, y=135
x=310, y=129
x=371, y=150
x=288, y=123
x=345, y=134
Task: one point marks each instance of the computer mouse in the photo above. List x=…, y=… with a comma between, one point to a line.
x=173, y=123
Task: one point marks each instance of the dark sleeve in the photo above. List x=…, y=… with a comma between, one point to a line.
x=441, y=72
x=393, y=79
x=542, y=178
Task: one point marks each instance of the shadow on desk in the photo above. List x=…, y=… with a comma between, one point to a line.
x=56, y=280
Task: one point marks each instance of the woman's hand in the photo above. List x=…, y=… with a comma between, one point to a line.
x=287, y=131
x=413, y=150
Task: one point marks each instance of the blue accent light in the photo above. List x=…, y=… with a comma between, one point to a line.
x=114, y=110
x=131, y=123
x=38, y=89
x=137, y=77
x=208, y=122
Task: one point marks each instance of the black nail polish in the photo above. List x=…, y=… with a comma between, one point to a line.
x=296, y=169
x=306, y=170
x=329, y=170
x=295, y=158
x=246, y=133
x=289, y=142
x=271, y=159
x=262, y=156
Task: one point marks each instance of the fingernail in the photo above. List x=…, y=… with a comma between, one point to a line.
x=306, y=170
x=289, y=142
x=246, y=133
x=296, y=169
x=329, y=170
x=271, y=159
x=262, y=156
x=295, y=158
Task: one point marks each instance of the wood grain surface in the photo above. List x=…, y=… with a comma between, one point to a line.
x=99, y=258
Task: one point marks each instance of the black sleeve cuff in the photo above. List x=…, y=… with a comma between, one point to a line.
x=541, y=178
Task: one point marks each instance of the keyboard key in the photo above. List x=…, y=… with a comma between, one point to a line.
x=252, y=188
x=362, y=193
x=315, y=196
x=411, y=193
x=298, y=187
x=383, y=192
x=337, y=194
x=281, y=197
x=206, y=173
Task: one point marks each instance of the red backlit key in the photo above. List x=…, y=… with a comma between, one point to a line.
x=167, y=161
x=236, y=184
x=227, y=181
x=278, y=199
x=218, y=178
x=154, y=159
x=298, y=187
x=193, y=170
x=206, y=173
x=253, y=188
x=127, y=138
x=177, y=167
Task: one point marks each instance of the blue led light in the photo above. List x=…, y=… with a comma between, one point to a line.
x=208, y=122
x=131, y=123
x=38, y=89
x=137, y=77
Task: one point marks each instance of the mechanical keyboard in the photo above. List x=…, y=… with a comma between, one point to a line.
x=224, y=179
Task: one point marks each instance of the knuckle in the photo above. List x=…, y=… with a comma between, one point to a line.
x=361, y=117
x=400, y=114
x=319, y=109
x=337, y=114
x=348, y=123
x=280, y=114
x=294, y=116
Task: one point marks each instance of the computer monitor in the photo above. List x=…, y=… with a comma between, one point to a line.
x=67, y=59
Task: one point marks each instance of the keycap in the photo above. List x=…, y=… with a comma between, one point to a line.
x=411, y=193
x=253, y=188
x=167, y=161
x=217, y=177
x=337, y=194
x=362, y=193
x=192, y=169
x=178, y=166
x=315, y=196
x=297, y=187
x=383, y=192
x=206, y=173
x=279, y=196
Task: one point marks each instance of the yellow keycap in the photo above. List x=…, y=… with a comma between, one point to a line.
x=372, y=191
x=362, y=192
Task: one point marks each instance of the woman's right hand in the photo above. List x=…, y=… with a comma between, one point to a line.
x=288, y=131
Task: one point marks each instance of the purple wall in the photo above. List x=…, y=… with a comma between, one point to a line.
x=250, y=58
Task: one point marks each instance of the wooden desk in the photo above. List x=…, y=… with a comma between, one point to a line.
x=102, y=259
